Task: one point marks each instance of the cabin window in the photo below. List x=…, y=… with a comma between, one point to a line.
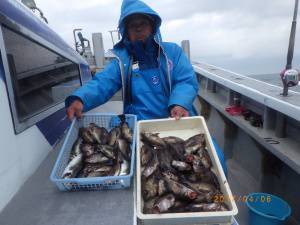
x=40, y=78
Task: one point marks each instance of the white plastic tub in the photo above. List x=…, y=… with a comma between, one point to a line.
x=184, y=128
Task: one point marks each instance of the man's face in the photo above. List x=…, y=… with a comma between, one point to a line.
x=139, y=28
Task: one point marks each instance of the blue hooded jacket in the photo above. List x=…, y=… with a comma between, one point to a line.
x=177, y=75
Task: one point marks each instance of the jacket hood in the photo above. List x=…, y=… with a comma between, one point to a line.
x=130, y=7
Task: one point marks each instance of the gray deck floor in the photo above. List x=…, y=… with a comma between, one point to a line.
x=39, y=202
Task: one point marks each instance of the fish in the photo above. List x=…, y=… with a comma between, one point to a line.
x=173, y=140
x=105, y=136
x=193, y=148
x=106, y=150
x=117, y=168
x=76, y=150
x=99, y=134
x=86, y=136
x=87, y=150
x=181, y=190
x=149, y=188
x=114, y=134
x=177, y=150
x=196, y=139
x=209, y=176
x=73, y=167
x=97, y=158
x=178, y=207
x=181, y=166
x=148, y=205
x=197, y=165
x=146, y=154
x=162, y=187
x=205, y=158
x=205, y=197
x=165, y=158
x=99, y=172
x=202, y=187
x=124, y=148
x=126, y=132
x=151, y=167
x=206, y=207
x=169, y=175
x=124, y=170
x=154, y=140
x=164, y=203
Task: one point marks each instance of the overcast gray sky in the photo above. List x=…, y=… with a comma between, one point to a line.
x=249, y=36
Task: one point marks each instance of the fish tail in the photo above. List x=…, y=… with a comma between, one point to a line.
x=122, y=118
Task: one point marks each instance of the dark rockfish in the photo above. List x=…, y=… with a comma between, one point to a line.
x=177, y=150
x=179, y=206
x=124, y=170
x=202, y=187
x=75, y=149
x=126, y=132
x=151, y=167
x=149, y=188
x=196, y=139
x=165, y=158
x=205, y=158
x=73, y=167
x=162, y=187
x=210, y=177
x=207, y=207
x=99, y=134
x=97, y=158
x=169, y=175
x=148, y=205
x=124, y=148
x=106, y=150
x=173, y=140
x=87, y=150
x=99, y=172
x=146, y=154
x=164, y=203
x=114, y=134
x=181, y=166
x=86, y=136
x=181, y=190
x=154, y=140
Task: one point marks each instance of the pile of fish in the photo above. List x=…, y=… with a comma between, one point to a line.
x=98, y=153
x=177, y=175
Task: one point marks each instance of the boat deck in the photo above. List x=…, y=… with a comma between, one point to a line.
x=39, y=202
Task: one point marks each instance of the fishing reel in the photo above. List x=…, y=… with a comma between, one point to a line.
x=290, y=77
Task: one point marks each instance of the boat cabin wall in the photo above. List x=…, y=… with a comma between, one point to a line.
x=37, y=71
x=20, y=155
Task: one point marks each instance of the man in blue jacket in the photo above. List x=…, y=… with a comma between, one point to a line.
x=156, y=78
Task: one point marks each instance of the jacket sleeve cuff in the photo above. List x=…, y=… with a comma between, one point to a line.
x=173, y=103
x=69, y=100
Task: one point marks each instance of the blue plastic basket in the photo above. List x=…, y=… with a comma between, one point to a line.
x=93, y=183
x=267, y=209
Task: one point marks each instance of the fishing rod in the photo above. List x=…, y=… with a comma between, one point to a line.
x=290, y=76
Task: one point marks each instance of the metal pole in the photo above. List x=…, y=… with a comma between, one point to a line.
x=185, y=44
x=98, y=49
x=290, y=53
x=292, y=38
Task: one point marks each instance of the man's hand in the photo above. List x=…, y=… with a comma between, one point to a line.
x=177, y=112
x=75, y=109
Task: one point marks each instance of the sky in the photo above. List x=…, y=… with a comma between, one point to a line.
x=247, y=37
